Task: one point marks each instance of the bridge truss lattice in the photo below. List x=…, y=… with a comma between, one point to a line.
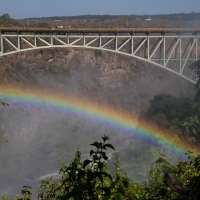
x=170, y=49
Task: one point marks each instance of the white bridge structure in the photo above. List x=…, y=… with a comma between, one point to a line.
x=173, y=49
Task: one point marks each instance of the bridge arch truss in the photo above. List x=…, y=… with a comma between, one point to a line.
x=170, y=49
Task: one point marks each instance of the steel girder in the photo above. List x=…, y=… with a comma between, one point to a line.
x=173, y=52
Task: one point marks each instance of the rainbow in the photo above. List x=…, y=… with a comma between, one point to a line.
x=87, y=109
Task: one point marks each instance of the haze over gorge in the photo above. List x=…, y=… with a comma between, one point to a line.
x=38, y=135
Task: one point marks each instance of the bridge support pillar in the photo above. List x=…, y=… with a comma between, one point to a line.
x=83, y=39
x=132, y=44
x=115, y=42
x=164, y=51
x=197, y=56
x=147, y=47
x=35, y=41
x=18, y=43
x=2, y=45
x=51, y=40
x=99, y=40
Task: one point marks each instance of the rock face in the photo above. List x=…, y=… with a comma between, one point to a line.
x=119, y=81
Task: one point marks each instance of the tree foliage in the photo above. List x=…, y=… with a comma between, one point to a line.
x=174, y=115
x=88, y=179
x=182, y=183
x=91, y=179
x=6, y=20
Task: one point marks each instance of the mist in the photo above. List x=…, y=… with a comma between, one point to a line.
x=38, y=135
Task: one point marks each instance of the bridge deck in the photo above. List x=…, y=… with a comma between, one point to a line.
x=33, y=30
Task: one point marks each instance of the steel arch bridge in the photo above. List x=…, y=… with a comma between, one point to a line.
x=173, y=49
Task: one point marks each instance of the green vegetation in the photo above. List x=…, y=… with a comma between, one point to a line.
x=137, y=158
x=174, y=115
x=177, y=117
x=6, y=20
x=123, y=21
x=88, y=179
x=91, y=179
x=3, y=103
x=184, y=16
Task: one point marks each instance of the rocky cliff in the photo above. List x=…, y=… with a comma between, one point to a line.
x=119, y=81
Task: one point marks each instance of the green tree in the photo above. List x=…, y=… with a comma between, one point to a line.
x=174, y=115
x=91, y=179
x=88, y=179
x=6, y=20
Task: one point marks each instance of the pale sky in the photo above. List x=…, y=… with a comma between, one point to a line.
x=47, y=8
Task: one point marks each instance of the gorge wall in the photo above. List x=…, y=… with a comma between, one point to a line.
x=121, y=82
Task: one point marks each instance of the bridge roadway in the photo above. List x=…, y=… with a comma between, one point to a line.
x=19, y=30
x=173, y=49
